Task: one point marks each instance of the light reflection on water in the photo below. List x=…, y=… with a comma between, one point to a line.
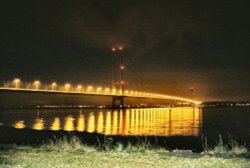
x=156, y=122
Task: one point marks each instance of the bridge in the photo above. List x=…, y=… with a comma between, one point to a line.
x=119, y=98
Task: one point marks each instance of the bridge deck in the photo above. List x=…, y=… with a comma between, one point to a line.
x=96, y=93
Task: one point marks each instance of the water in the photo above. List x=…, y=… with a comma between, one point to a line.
x=157, y=122
x=132, y=122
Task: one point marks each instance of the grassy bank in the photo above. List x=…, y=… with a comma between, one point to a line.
x=72, y=154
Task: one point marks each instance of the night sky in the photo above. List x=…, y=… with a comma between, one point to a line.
x=169, y=45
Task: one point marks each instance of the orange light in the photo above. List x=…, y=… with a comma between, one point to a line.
x=113, y=49
x=67, y=85
x=120, y=48
x=16, y=80
x=122, y=82
x=98, y=89
x=37, y=82
x=90, y=87
x=122, y=67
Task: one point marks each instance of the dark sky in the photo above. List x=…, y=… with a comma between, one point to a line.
x=169, y=45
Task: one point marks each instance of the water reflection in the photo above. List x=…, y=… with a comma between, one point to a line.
x=69, y=123
x=56, y=124
x=19, y=125
x=157, y=122
x=39, y=124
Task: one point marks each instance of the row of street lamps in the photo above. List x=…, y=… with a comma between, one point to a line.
x=79, y=88
x=90, y=89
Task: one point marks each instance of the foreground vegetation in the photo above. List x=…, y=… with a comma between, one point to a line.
x=73, y=154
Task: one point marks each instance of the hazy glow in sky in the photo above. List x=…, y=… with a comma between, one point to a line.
x=169, y=45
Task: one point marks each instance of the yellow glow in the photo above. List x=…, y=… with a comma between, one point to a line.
x=107, y=126
x=91, y=122
x=89, y=88
x=16, y=82
x=114, y=91
x=147, y=122
x=100, y=122
x=66, y=87
x=69, y=123
x=98, y=89
x=79, y=88
x=39, y=124
x=81, y=123
x=107, y=90
x=114, y=123
x=36, y=83
x=19, y=125
x=53, y=85
x=56, y=125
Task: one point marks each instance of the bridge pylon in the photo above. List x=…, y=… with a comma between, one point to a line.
x=120, y=100
x=118, y=52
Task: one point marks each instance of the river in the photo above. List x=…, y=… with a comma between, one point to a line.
x=179, y=122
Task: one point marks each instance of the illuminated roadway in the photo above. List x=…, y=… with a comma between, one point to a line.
x=100, y=92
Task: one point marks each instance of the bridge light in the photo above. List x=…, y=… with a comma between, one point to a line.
x=67, y=86
x=16, y=82
x=98, y=89
x=132, y=92
x=37, y=84
x=53, y=85
x=120, y=48
x=78, y=88
x=122, y=67
x=114, y=91
x=120, y=91
x=107, y=90
x=89, y=88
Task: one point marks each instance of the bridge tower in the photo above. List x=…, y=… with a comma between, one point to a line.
x=118, y=52
x=191, y=92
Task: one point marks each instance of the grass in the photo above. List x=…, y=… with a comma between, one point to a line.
x=231, y=148
x=71, y=153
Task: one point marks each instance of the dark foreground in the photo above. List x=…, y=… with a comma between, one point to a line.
x=73, y=154
x=27, y=136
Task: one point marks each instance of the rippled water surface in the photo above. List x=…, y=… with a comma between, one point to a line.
x=167, y=122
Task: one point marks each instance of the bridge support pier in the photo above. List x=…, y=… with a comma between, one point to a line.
x=120, y=100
